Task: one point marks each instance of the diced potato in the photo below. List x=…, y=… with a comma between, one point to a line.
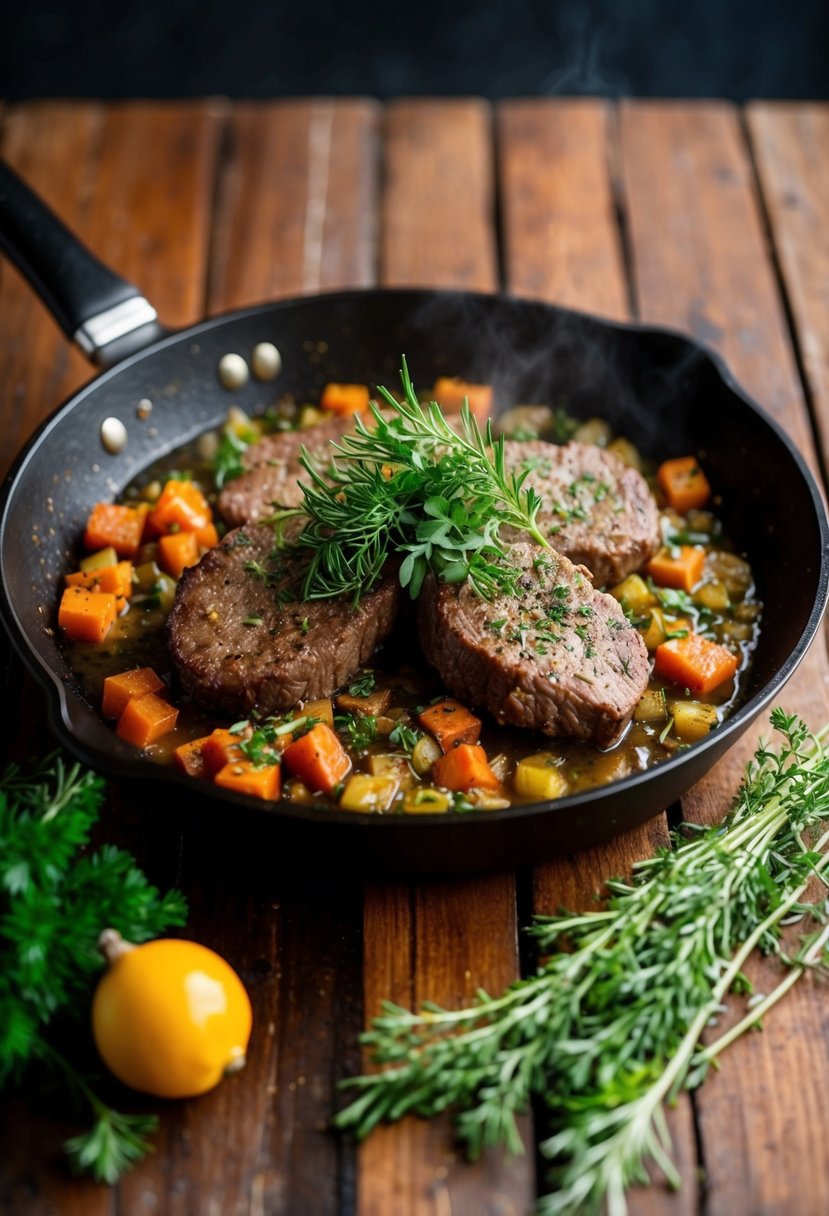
x=654, y=634
x=652, y=706
x=151, y=491
x=486, y=800
x=700, y=521
x=594, y=430
x=540, y=776
x=524, y=420
x=166, y=588
x=692, y=719
x=99, y=560
x=392, y=766
x=634, y=594
x=322, y=710
x=309, y=416
x=747, y=612
x=424, y=754
x=368, y=793
x=626, y=452
x=713, y=595
x=146, y=576
x=736, y=631
x=500, y=766
x=423, y=800
x=730, y=569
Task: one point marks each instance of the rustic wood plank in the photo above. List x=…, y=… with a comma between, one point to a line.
x=560, y=234
x=561, y=242
x=101, y=170
x=790, y=140
x=296, y=207
x=441, y=940
x=700, y=263
x=438, y=192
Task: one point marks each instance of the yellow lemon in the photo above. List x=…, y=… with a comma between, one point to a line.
x=170, y=1018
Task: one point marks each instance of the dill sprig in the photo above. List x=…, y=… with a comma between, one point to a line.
x=411, y=486
x=609, y=1028
x=55, y=898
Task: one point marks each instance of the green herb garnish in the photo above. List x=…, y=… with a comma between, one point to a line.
x=413, y=487
x=227, y=463
x=361, y=729
x=405, y=736
x=364, y=686
x=610, y=1027
x=55, y=899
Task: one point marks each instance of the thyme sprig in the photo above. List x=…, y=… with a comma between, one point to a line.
x=412, y=486
x=609, y=1028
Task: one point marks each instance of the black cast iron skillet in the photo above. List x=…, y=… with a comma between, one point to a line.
x=666, y=393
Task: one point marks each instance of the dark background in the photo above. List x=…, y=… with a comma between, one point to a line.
x=496, y=48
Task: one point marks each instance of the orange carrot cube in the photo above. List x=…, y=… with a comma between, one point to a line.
x=146, y=719
x=86, y=616
x=189, y=757
x=117, y=527
x=180, y=506
x=178, y=551
x=219, y=749
x=318, y=758
x=465, y=768
x=243, y=777
x=345, y=398
x=685, y=485
x=695, y=662
x=682, y=569
x=207, y=537
x=450, y=723
x=119, y=690
x=113, y=580
x=450, y=392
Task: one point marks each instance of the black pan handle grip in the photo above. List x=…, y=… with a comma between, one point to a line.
x=103, y=313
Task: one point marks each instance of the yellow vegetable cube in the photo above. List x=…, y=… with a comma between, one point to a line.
x=365, y=793
x=394, y=766
x=692, y=719
x=322, y=710
x=540, y=777
x=714, y=596
x=652, y=707
x=423, y=800
x=634, y=594
x=99, y=561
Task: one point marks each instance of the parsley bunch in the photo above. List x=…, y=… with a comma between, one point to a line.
x=412, y=486
x=55, y=898
x=609, y=1028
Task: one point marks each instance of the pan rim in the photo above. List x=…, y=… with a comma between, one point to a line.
x=118, y=767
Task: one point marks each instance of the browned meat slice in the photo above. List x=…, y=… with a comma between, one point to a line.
x=596, y=510
x=241, y=640
x=558, y=657
x=273, y=470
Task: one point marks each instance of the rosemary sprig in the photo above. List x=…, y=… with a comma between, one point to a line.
x=412, y=486
x=609, y=1028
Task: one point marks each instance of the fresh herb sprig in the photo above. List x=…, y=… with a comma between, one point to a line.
x=412, y=486
x=54, y=902
x=609, y=1028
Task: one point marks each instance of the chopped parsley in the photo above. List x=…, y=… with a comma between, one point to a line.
x=362, y=687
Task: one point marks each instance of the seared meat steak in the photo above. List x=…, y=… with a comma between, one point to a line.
x=558, y=656
x=273, y=470
x=596, y=510
x=241, y=639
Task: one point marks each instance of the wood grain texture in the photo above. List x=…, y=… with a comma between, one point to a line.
x=560, y=237
x=297, y=201
x=438, y=941
x=790, y=142
x=700, y=263
x=562, y=243
x=438, y=204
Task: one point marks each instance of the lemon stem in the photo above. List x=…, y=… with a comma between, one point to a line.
x=112, y=946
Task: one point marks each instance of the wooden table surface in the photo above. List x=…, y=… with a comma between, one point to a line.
x=696, y=215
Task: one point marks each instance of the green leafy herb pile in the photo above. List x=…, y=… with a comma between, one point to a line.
x=412, y=486
x=55, y=899
x=609, y=1029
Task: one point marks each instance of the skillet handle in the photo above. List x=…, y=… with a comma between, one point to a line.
x=103, y=313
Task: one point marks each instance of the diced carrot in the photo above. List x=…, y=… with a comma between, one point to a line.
x=121, y=689
x=683, y=571
x=345, y=398
x=243, y=777
x=86, y=616
x=318, y=758
x=450, y=393
x=219, y=749
x=114, y=580
x=181, y=506
x=177, y=551
x=695, y=662
x=207, y=536
x=146, y=719
x=450, y=723
x=120, y=528
x=189, y=757
x=684, y=483
x=465, y=767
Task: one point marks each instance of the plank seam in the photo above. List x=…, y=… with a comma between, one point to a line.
x=785, y=297
x=224, y=142
x=613, y=156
